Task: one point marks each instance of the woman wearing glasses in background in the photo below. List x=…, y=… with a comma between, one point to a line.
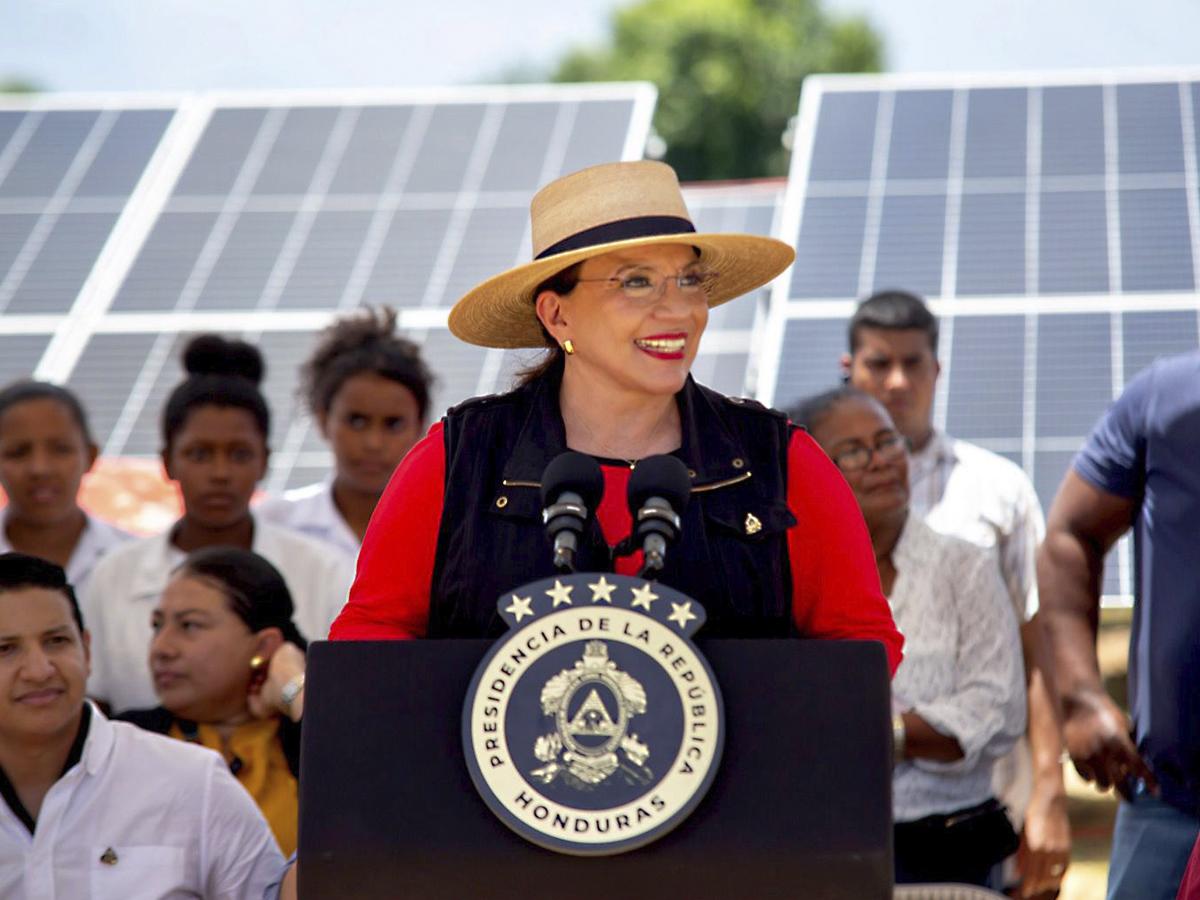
x=618, y=296
x=959, y=696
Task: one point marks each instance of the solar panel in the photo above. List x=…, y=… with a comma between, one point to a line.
x=265, y=216
x=1053, y=222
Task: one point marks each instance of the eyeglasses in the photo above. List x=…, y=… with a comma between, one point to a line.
x=648, y=284
x=888, y=448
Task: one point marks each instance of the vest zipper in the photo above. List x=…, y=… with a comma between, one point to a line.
x=736, y=479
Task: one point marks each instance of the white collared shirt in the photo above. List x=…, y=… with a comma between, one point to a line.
x=311, y=511
x=97, y=539
x=125, y=588
x=966, y=491
x=166, y=815
x=962, y=490
x=962, y=670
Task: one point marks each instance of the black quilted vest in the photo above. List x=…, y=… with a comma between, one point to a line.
x=732, y=553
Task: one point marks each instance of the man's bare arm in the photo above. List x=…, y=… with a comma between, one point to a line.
x=1083, y=525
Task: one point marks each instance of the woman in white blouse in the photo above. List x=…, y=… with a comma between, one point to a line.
x=368, y=391
x=959, y=694
x=46, y=447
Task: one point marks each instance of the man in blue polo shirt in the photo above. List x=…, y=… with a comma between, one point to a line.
x=1140, y=468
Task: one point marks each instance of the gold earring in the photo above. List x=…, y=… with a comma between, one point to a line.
x=569, y=347
x=256, y=663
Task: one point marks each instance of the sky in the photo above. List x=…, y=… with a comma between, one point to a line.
x=171, y=45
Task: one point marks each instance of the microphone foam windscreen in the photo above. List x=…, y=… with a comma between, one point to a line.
x=659, y=476
x=575, y=472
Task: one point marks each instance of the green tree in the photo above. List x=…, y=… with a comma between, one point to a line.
x=15, y=84
x=728, y=74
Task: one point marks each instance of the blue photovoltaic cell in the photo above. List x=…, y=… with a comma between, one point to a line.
x=1148, y=336
x=162, y=268
x=296, y=152
x=920, y=144
x=1049, y=469
x=441, y=163
x=10, y=121
x=987, y=377
x=599, y=135
x=63, y=263
x=995, y=140
x=221, y=152
x=49, y=153
x=319, y=276
x=491, y=243
x=1195, y=92
x=829, y=249
x=809, y=359
x=1074, y=374
x=105, y=374
x=371, y=151
x=1072, y=130
x=240, y=274
x=845, y=137
x=407, y=256
x=1156, y=246
x=14, y=231
x=124, y=154
x=909, y=253
x=1073, y=243
x=1149, y=132
x=512, y=167
x=20, y=354
x=991, y=244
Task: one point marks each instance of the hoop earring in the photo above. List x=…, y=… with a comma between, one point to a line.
x=568, y=347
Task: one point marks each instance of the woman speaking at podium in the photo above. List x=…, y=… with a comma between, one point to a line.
x=772, y=542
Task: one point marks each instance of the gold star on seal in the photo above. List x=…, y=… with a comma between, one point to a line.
x=681, y=613
x=643, y=596
x=520, y=607
x=560, y=593
x=602, y=590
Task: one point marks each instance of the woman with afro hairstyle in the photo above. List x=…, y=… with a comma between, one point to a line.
x=215, y=429
x=368, y=391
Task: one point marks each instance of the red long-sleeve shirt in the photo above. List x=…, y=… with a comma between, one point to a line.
x=835, y=584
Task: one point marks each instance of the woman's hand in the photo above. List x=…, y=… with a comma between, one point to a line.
x=266, y=697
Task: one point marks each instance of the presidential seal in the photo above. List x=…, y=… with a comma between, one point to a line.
x=594, y=726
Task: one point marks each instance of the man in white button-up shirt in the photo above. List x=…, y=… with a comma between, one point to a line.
x=96, y=809
x=965, y=491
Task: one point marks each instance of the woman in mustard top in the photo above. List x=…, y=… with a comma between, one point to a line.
x=228, y=667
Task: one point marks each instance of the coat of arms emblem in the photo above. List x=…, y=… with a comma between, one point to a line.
x=594, y=725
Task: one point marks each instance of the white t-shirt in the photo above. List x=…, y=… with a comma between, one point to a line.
x=125, y=588
x=311, y=511
x=140, y=816
x=97, y=539
x=968, y=492
x=962, y=670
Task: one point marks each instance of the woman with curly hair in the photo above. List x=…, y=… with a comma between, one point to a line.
x=368, y=391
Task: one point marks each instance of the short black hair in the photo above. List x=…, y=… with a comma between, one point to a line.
x=27, y=389
x=19, y=570
x=221, y=372
x=893, y=310
x=365, y=341
x=811, y=411
x=254, y=588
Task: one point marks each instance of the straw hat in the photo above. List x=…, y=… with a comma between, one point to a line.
x=596, y=211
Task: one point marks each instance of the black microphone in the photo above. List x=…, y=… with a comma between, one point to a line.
x=572, y=486
x=658, y=493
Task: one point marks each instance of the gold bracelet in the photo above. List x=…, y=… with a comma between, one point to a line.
x=899, y=739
